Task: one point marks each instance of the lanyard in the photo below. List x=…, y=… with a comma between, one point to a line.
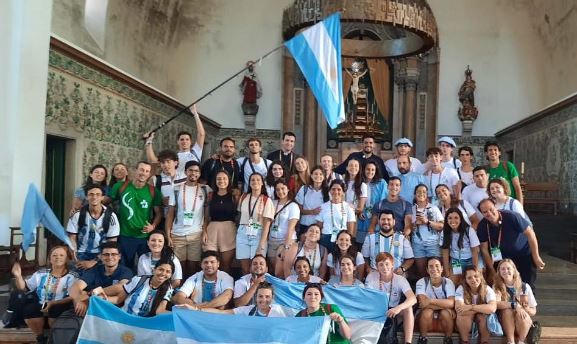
x=231, y=167
x=251, y=212
x=438, y=180
x=382, y=288
x=312, y=258
x=433, y=289
x=342, y=227
x=51, y=287
x=277, y=212
x=184, y=197
x=500, y=232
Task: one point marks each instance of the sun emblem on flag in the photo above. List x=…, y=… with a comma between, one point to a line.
x=127, y=337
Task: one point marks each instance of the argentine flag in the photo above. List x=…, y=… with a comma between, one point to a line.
x=317, y=51
x=105, y=323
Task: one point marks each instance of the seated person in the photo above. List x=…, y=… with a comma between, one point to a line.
x=313, y=251
x=347, y=276
x=246, y=286
x=303, y=274
x=102, y=275
x=336, y=215
x=388, y=241
x=144, y=296
x=51, y=290
x=474, y=301
x=159, y=249
x=209, y=288
x=436, y=296
x=91, y=226
x=385, y=280
x=516, y=304
x=344, y=246
x=312, y=297
x=263, y=307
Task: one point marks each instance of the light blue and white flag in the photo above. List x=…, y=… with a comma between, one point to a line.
x=317, y=51
x=37, y=211
x=105, y=323
x=365, y=309
x=201, y=327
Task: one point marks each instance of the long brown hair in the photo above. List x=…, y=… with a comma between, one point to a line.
x=500, y=286
x=467, y=293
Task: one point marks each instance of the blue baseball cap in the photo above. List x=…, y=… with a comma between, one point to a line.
x=448, y=140
x=404, y=141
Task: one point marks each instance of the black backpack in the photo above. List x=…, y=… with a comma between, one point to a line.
x=65, y=328
x=105, y=220
x=14, y=315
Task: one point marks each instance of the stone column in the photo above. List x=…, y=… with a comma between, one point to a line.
x=399, y=100
x=411, y=82
x=24, y=38
x=309, y=126
x=288, y=116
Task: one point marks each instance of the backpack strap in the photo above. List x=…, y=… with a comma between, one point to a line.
x=328, y=308
x=252, y=311
x=123, y=186
x=506, y=168
x=152, y=191
x=511, y=200
x=82, y=217
x=158, y=182
x=193, y=152
x=524, y=287
x=455, y=165
x=141, y=282
x=106, y=219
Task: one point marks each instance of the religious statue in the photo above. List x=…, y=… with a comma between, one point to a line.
x=251, y=90
x=468, y=111
x=355, y=83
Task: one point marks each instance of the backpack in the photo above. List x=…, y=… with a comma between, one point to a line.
x=252, y=168
x=443, y=284
x=65, y=328
x=105, y=220
x=14, y=315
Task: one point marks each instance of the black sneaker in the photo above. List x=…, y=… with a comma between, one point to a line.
x=423, y=340
x=534, y=333
x=447, y=340
x=40, y=339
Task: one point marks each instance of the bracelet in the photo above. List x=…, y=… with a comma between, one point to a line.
x=149, y=142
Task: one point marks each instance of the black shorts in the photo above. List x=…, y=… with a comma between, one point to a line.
x=32, y=310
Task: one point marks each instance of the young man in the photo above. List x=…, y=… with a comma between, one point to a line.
x=404, y=147
x=438, y=174
x=254, y=163
x=186, y=222
x=436, y=296
x=224, y=161
x=409, y=179
x=186, y=150
x=503, y=169
x=389, y=241
x=92, y=226
x=102, y=275
x=245, y=287
x=327, y=165
x=363, y=156
x=400, y=208
x=209, y=288
x=447, y=145
x=477, y=192
x=170, y=178
x=286, y=154
x=139, y=201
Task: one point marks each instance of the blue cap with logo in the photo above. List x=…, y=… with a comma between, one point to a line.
x=448, y=140
x=404, y=141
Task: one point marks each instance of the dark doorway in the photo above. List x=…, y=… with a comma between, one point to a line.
x=55, y=174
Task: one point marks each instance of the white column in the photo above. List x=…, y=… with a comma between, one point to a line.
x=25, y=39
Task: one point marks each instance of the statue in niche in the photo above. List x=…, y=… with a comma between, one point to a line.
x=355, y=75
x=251, y=90
x=468, y=111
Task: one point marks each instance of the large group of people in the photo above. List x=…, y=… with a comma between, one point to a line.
x=150, y=242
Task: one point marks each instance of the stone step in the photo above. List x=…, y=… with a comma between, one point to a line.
x=549, y=335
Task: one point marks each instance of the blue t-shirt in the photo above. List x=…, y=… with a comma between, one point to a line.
x=513, y=242
x=208, y=290
x=400, y=208
x=408, y=183
x=96, y=276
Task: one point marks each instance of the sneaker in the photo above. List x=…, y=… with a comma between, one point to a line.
x=40, y=339
x=423, y=340
x=534, y=333
x=447, y=340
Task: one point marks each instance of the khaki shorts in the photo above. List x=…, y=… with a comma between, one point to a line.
x=187, y=247
x=221, y=236
x=274, y=247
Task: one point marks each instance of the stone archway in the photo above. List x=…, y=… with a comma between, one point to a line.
x=397, y=38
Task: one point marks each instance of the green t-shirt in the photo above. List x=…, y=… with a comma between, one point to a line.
x=135, y=208
x=500, y=172
x=334, y=337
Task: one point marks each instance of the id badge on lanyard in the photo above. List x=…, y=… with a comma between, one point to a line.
x=457, y=268
x=334, y=234
x=187, y=218
x=496, y=254
x=253, y=228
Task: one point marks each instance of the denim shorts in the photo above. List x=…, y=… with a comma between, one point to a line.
x=426, y=251
x=246, y=246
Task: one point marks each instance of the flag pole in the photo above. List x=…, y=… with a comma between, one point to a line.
x=185, y=109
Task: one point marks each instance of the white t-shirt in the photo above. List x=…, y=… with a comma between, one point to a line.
x=276, y=311
x=49, y=287
x=242, y=285
x=190, y=202
x=146, y=266
x=312, y=279
x=490, y=295
x=424, y=235
x=451, y=163
x=515, y=206
x=309, y=199
x=82, y=240
x=139, y=302
x=250, y=168
x=466, y=209
x=474, y=195
x=425, y=287
x=359, y=260
x=467, y=177
x=448, y=176
x=400, y=286
x=283, y=214
x=169, y=185
x=532, y=302
x=397, y=245
x=194, y=282
x=392, y=167
x=184, y=157
x=470, y=240
x=350, y=195
x=315, y=257
x=335, y=216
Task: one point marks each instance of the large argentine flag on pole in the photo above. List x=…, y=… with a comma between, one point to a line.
x=317, y=51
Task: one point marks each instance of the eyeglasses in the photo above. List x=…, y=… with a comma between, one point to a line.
x=110, y=254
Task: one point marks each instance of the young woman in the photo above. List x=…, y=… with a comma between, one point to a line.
x=312, y=296
x=119, y=174
x=347, y=275
x=385, y=280
x=336, y=215
x=98, y=175
x=275, y=171
x=377, y=191
x=498, y=189
x=474, y=301
x=460, y=245
x=256, y=214
x=465, y=171
x=302, y=267
x=144, y=296
x=310, y=197
x=282, y=238
x=302, y=175
x=446, y=201
x=356, y=190
x=344, y=247
x=427, y=225
x=51, y=291
x=516, y=302
x=220, y=234
x=313, y=251
x=159, y=249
